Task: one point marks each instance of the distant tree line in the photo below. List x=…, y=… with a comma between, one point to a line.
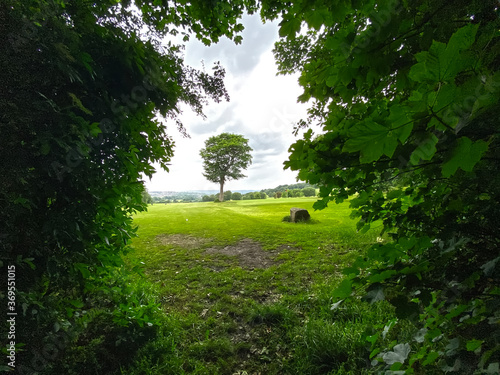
x=275, y=193
x=236, y=196
x=281, y=191
x=284, y=188
x=296, y=193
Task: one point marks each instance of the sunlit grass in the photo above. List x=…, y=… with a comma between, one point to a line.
x=225, y=317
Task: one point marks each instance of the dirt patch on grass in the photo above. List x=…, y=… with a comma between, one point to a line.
x=182, y=240
x=249, y=253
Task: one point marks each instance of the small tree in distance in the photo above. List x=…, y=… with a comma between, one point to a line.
x=224, y=157
x=236, y=196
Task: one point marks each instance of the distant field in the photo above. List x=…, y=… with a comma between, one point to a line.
x=258, y=219
x=246, y=293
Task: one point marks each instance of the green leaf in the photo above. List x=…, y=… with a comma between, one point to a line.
x=465, y=156
x=404, y=308
x=95, y=130
x=398, y=354
x=84, y=270
x=473, y=345
x=29, y=262
x=317, y=18
x=425, y=150
x=431, y=358
x=444, y=61
x=375, y=294
x=374, y=352
x=434, y=334
x=443, y=97
x=384, y=275
x=344, y=290
x=76, y=303
x=400, y=122
x=45, y=148
x=289, y=28
x=372, y=140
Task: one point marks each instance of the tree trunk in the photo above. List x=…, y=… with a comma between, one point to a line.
x=221, y=193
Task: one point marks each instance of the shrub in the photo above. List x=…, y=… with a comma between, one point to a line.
x=309, y=192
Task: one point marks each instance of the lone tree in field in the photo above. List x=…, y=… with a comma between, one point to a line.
x=224, y=157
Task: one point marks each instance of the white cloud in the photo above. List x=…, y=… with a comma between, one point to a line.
x=263, y=108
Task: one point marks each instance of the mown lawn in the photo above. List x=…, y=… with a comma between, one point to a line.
x=245, y=293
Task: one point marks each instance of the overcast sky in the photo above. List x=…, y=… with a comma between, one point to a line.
x=263, y=108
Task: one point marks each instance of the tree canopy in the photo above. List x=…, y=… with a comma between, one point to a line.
x=407, y=97
x=224, y=158
x=85, y=86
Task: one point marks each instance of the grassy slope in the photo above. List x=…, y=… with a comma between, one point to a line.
x=225, y=319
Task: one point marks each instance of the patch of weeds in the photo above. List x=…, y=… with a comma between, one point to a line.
x=272, y=315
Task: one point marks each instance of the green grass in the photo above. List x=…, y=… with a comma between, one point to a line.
x=225, y=316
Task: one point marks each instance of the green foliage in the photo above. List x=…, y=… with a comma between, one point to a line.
x=224, y=157
x=83, y=94
x=309, y=192
x=236, y=196
x=407, y=96
x=208, y=198
x=146, y=197
x=302, y=185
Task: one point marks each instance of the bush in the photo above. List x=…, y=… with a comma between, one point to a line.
x=309, y=192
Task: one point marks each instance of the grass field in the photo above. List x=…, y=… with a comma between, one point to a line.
x=245, y=293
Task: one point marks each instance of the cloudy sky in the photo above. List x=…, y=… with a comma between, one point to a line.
x=263, y=108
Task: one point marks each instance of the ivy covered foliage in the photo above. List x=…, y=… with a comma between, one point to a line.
x=407, y=97
x=84, y=88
